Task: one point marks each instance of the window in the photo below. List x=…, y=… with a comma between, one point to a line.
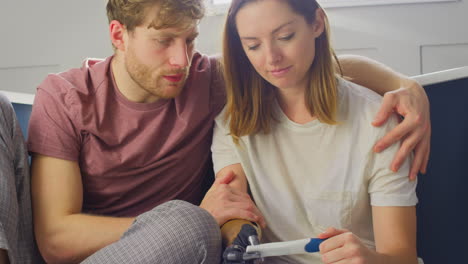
x=344, y=3
x=217, y=7
x=220, y=6
x=221, y=2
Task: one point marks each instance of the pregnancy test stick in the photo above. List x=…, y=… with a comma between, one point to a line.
x=302, y=246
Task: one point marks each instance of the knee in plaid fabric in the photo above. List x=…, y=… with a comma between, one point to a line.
x=173, y=232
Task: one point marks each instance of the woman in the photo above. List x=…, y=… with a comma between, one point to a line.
x=299, y=134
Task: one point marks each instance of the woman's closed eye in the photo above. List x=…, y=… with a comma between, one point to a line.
x=253, y=47
x=287, y=37
x=283, y=38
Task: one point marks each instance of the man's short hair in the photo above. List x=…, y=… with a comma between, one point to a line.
x=132, y=13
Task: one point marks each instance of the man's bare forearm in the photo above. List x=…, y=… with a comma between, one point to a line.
x=75, y=237
x=372, y=74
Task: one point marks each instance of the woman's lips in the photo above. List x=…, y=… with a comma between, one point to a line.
x=174, y=78
x=280, y=72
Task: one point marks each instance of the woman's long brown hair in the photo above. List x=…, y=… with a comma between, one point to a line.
x=249, y=108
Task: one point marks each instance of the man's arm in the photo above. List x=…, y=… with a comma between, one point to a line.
x=63, y=233
x=401, y=95
x=371, y=74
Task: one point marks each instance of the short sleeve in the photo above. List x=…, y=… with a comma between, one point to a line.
x=388, y=188
x=222, y=148
x=52, y=130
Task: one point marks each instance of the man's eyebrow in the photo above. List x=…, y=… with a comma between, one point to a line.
x=274, y=30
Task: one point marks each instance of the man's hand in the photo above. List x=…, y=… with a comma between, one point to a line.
x=343, y=246
x=224, y=202
x=412, y=103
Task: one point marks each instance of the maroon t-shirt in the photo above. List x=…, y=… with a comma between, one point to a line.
x=132, y=156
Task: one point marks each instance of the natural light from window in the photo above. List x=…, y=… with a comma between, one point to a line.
x=220, y=2
x=343, y=3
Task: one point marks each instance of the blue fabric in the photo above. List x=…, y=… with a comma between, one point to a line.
x=23, y=112
x=443, y=196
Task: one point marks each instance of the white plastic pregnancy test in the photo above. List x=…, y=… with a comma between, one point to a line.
x=308, y=245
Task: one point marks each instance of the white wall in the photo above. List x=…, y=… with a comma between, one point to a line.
x=411, y=38
x=38, y=37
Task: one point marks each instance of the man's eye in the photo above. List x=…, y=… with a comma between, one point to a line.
x=287, y=37
x=164, y=42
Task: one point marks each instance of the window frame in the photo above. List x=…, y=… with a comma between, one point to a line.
x=218, y=9
x=350, y=3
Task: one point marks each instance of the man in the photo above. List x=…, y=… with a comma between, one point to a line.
x=117, y=144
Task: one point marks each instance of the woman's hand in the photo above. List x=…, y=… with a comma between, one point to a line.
x=412, y=103
x=343, y=247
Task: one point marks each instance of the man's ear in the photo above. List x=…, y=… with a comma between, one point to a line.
x=319, y=23
x=117, y=34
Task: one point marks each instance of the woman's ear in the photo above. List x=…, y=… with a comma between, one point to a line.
x=318, y=26
x=117, y=34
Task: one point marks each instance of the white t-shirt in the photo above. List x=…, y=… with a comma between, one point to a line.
x=307, y=177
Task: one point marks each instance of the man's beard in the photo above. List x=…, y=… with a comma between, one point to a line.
x=152, y=80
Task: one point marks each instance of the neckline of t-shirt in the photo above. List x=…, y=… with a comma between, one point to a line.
x=288, y=123
x=133, y=105
x=285, y=121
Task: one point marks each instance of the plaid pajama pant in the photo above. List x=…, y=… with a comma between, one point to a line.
x=174, y=232
x=16, y=232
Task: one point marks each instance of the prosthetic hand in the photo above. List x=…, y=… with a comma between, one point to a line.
x=242, y=241
x=237, y=235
